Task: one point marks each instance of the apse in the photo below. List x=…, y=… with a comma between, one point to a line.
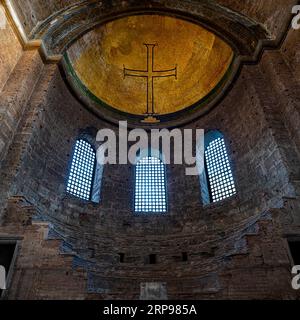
x=151, y=67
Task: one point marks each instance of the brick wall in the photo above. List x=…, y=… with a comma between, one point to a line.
x=10, y=49
x=291, y=52
x=235, y=248
x=19, y=72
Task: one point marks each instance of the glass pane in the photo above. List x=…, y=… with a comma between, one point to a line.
x=150, y=186
x=219, y=172
x=82, y=170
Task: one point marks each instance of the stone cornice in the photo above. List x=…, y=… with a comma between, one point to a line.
x=56, y=33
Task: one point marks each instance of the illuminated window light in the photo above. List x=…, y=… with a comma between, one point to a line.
x=219, y=172
x=82, y=170
x=150, y=186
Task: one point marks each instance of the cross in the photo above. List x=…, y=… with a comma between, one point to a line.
x=150, y=74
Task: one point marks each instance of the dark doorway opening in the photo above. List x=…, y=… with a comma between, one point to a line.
x=295, y=251
x=7, y=252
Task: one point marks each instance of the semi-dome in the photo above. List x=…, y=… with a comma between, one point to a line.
x=73, y=227
x=149, y=64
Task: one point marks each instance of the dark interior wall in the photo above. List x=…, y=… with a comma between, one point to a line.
x=56, y=118
x=291, y=52
x=259, y=119
x=98, y=233
x=288, y=84
x=254, y=153
x=285, y=116
x=272, y=14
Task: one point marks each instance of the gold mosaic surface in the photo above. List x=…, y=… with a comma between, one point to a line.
x=195, y=59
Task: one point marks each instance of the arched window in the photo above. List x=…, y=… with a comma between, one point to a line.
x=150, y=185
x=82, y=171
x=218, y=171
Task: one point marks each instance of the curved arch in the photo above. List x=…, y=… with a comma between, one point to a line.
x=150, y=152
x=58, y=33
x=212, y=135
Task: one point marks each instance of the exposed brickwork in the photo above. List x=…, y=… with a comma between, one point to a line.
x=71, y=249
x=291, y=52
x=272, y=13
x=98, y=233
x=15, y=95
x=49, y=275
x=10, y=50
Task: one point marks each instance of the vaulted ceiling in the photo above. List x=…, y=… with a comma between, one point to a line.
x=102, y=43
x=271, y=14
x=253, y=20
x=172, y=62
